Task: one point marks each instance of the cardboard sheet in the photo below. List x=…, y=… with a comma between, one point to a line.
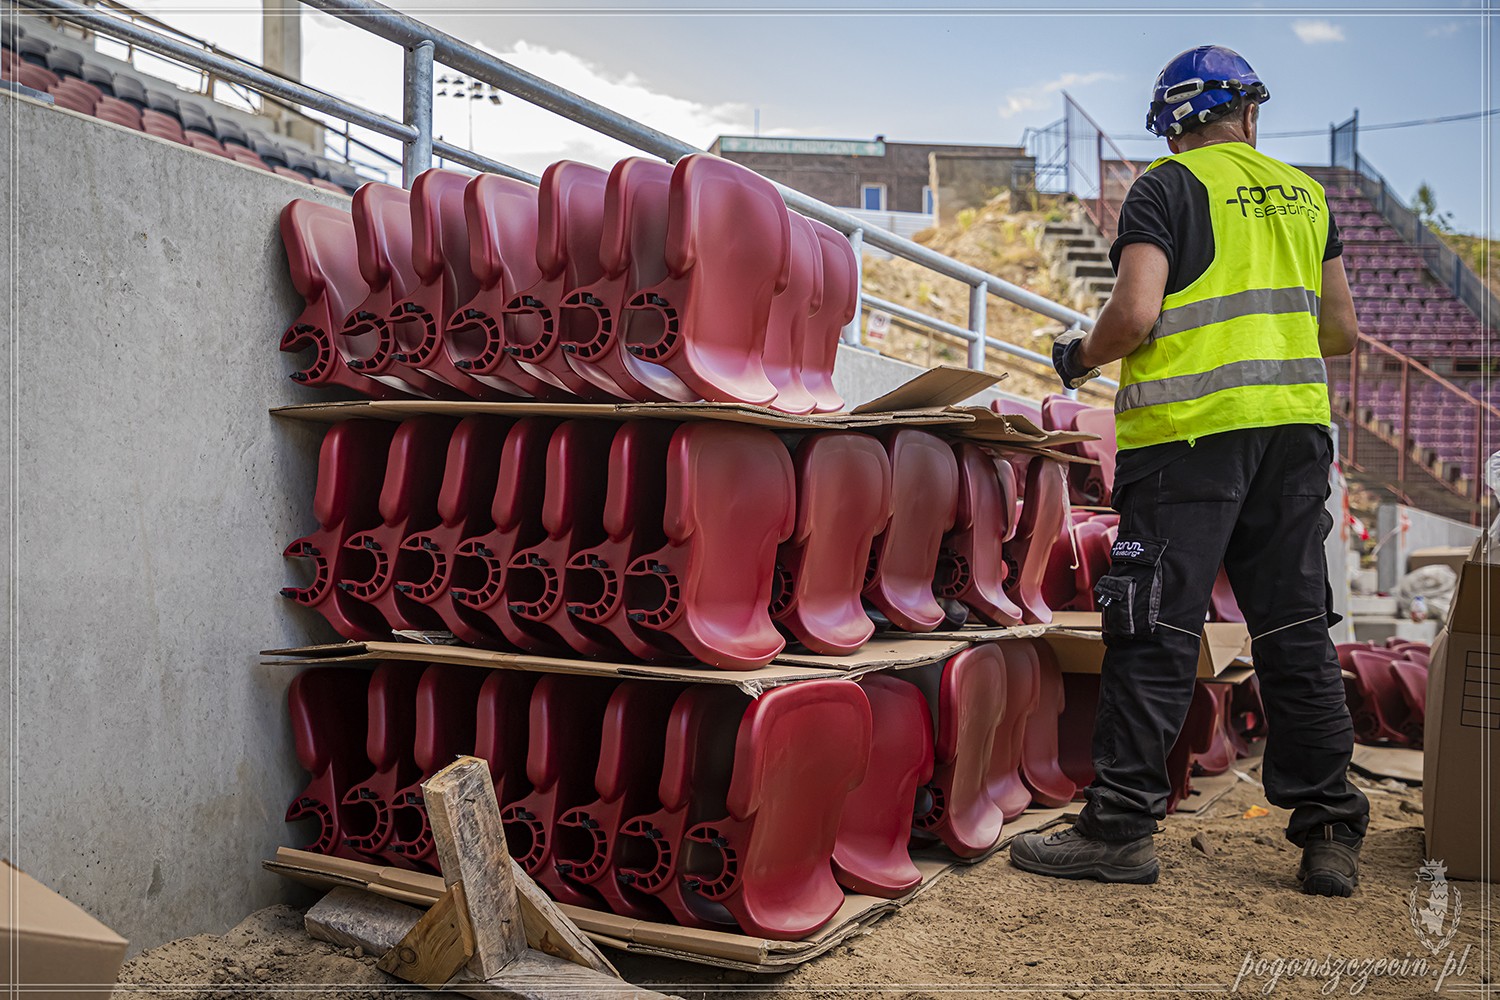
x=707, y=947
x=1223, y=645
x=786, y=669
x=63, y=952
x=1398, y=763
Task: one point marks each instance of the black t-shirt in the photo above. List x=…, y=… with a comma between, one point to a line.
x=1168, y=207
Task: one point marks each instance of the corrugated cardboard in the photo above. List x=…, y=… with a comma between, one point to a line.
x=706, y=947
x=1223, y=644
x=1452, y=556
x=1461, y=745
x=51, y=949
x=882, y=654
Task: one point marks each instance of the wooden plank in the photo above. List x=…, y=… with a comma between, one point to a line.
x=471, y=849
x=549, y=930
x=438, y=947
x=353, y=918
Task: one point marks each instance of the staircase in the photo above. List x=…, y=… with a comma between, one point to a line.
x=1079, y=259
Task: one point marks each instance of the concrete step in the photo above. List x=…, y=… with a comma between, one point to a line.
x=1362, y=604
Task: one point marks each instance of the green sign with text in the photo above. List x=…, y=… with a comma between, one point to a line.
x=826, y=147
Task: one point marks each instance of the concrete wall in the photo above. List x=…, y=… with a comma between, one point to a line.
x=1425, y=530
x=151, y=499
x=969, y=180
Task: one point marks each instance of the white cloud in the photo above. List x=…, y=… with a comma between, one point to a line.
x=1443, y=30
x=1316, y=32
x=1040, y=95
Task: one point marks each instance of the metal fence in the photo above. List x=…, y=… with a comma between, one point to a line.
x=424, y=46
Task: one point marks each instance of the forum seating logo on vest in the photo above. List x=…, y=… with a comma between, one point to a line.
x=1256, y=201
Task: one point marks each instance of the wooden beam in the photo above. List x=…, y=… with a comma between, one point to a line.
x=438, y=947
x=353, y=918
x=471, y=849
x=549, y=929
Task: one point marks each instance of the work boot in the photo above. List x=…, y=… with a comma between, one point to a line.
x=1330, y=861
x=1067, y=853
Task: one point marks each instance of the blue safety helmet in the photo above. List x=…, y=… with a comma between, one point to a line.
x=1195, y=85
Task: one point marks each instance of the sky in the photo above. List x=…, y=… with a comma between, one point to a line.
x=957, y=73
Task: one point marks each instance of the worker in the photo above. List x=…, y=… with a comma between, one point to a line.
x=1230, y=291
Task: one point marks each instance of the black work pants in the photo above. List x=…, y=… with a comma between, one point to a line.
x=1255, y=501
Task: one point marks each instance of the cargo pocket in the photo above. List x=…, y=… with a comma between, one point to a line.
x=1129, y=597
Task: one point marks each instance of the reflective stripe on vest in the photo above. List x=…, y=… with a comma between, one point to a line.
x=1236, y=374
x=1253, y=302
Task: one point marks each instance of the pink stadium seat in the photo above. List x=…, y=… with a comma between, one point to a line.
x=447, y=705
x=327, y=706
x=316, y=182
x=727, y=256
x=70, y=95
x=163, y=126
x=767, y=861
x=1220, y=755
x=696, y=766
x=967, y=698
x=1040, y=768
x=1376, y=704
x=1222, y=605
x=324, y=263
x=731, y=499
x=564, y=732
x=500, y=730
x=539, y=333
x=441, y=258
x=514, y=523
x=408, y=505
x=627, y=780
x=871, y=855
x=390, y=742
x=249, y=158
x=634, y=501
x=205, y=143
x=1075, y=728
x=632, y=255
x=1078, y=558
x=791, y=312
x=924, y=505
x=35, y=77
x=1095, y=482
x=837, y=309
x=1411, y=681
x=572, y=515
x=482, y=341
x=1022, y=697
x=1059, y=412
x=382, y=230
x=971, y=564
x=1196, y=738
x=1042, y=514
x=843, y=502
x=426, y=567
x=351, y=464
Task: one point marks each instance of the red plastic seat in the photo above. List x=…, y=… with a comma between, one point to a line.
x=1075, y=728
x=730, y=501
x=383, y=236
x=696, y=766
x=1196, y=738
x=572, y=516
x=323, y=259
x=924, y=505
x=447, y=707
x=248, y=157
x=1220, y=755
x=971, y=565
x=351, y=463
x=1096, y=482
x=1222, y=604
x=843, y=502
x=163, y=125
x=967, y=698
x=500, y=730
x=1043, y=511
x=206, y=144
x=513, y=523
x=564, y=732
x=74, y=100
x=390, y=741
x=632, y=255
x=408, y=505
x=799, y=752
x=1059, y=412
x=871, y=855
x=33, y=76
x=631, y=750
x=837, y=309
x=1411, y=681
x=634, y=502
x=791, y=312
x=481, y=339
x=727, y=255
x=327, y=706
x=427, y=567
x=539, y=333
x=1040, y=767
x=1376, y=704
x=441, y=258
x=1022, y=697
x=1079, y=556
x=130, y=119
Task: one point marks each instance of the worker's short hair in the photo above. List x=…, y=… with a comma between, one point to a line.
x=1218, y=113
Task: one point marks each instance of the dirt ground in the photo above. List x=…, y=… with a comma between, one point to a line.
x=1227, y=891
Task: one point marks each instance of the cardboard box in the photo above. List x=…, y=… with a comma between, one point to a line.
x=1452, y=556
x=1461, y=754
x=51, y=949
x=1080, y=650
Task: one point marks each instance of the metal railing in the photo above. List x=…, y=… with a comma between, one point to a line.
x=1425, y=438
x=424, y=45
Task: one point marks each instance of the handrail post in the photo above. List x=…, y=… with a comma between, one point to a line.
x=852, y=334
x=979, y=302
x=417, y=110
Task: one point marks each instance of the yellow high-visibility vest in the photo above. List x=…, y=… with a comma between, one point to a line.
x=1238, y=347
